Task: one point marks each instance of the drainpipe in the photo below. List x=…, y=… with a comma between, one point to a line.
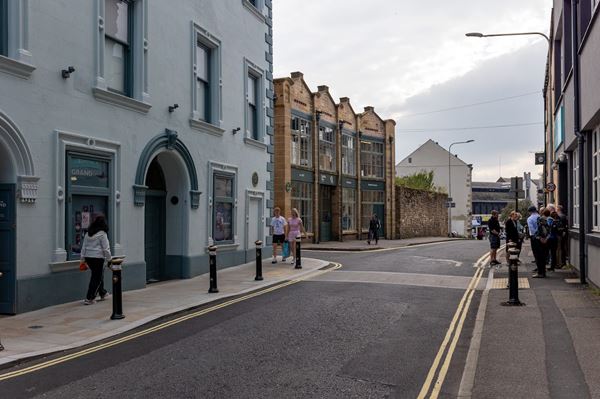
x=580, y=141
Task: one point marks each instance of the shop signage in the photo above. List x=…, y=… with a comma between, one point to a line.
x=328, y=180
x=302, y=175
x=349, y=183
x=372, y=185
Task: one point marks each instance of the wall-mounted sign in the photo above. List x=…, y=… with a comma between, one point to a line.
x=551, y=187
x=372, y=185
x=254, y=179
x=349, y=183
x=328, y=180
x=302, y=175
x=540, y=158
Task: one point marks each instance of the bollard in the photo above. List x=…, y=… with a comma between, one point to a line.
x=298, y=254
x=212, y=256
x=513, y=276
x=259, y=276
x=115, y=265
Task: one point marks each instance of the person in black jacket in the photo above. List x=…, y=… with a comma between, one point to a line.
x=494, y=227
x=374, y=226
x=512, y=231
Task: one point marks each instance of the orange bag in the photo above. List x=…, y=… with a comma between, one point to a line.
x=83, y=266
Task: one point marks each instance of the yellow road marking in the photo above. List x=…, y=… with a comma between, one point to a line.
x=159, y=327
x=460, y=313
x=376, y=250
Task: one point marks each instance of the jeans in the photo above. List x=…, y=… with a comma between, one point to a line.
x=96, y=286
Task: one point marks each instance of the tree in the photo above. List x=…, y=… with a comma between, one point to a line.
x=422, y=180
x=523, y=206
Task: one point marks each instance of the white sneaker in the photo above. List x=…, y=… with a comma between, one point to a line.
x=89, y=302
x=293, y=261
x=105, y=297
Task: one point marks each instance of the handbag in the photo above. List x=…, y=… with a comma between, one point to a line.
x=286, y=250
x=83, y=266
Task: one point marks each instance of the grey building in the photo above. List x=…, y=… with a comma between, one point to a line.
x=156, y=114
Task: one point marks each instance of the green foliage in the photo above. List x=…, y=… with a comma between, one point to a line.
x=422, y=180
x=523, y=206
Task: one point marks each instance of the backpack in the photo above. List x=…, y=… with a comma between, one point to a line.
x=543, y=230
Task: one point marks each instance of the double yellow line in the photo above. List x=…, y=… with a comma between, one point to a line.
x=450, y=341
x=159, y=327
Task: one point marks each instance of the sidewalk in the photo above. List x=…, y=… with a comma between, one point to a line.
x=361, y=245
x=546, y=349
x=72, y=325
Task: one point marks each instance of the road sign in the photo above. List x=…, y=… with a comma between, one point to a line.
x=516, y=184
x=551, y=187
x=449, y=199
x=450, y=204
x=540, y=158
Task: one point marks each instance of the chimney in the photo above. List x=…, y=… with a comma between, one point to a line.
x=344, y=100
x=323, y=88
x=297, y=75
x=369, y=108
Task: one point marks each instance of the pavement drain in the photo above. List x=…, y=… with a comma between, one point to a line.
x=502, y=283
x=35, y=327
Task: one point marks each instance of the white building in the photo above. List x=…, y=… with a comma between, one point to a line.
x=156, y=114
x=432, y=157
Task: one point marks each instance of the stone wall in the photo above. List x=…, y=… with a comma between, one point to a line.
x=420, y=213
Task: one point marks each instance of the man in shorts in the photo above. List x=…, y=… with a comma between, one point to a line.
x=278, y=224
x=494, y=226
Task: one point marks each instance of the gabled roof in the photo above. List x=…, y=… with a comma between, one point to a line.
x=371, y=109
x=300, y=76
x=346, y=100
x=430, y=142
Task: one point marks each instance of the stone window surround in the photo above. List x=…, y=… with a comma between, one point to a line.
x=19, y=61
x=218, y=168
x=251, y=68
x=256, y=10
x=595, y=166
x=69, y=141
x=201, y=35
x=140, y=99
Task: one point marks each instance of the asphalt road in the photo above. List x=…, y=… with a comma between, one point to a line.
x=369, y=330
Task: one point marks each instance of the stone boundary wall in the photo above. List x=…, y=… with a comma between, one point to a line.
x=420, y=213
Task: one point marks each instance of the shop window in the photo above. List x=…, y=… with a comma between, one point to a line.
x=596, y=180
x=371, y=159
x=327, y=160
x=373, y=202
x=88, y=193
x=223, y=208
x=348, y=155
x=348, y=209
x=302, y=200
x=301, y=142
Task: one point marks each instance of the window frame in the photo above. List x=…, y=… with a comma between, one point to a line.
x=369, y=167
x=327, y=143
x=127, y=50
x=304, y=143
x=251, y=70
x=4, y=28
x=16, y=59
x=217, y=169
x=223, y=200
x=349, y=204
x=306, y=197
x=346, y=151
x=575, y=193
x=595, y=174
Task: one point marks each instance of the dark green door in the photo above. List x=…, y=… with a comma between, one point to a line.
x=379, y=210
x=8, y=280
x=154, y=233
x=326, y=216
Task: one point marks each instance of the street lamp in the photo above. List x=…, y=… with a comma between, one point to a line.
x=450, y=183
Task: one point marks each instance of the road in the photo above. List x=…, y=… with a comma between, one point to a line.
x=371, y=329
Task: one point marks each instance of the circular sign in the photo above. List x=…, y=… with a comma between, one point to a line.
x=551, y=187
x=254, y=179
x=541, y=159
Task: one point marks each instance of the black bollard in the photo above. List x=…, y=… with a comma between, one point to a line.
x=115, y=265
x=259, y=276
x=513, y=276
x=298, y=254
x=212, y=259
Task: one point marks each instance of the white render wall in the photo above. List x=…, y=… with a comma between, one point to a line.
x=61, y=34
x=432, y=157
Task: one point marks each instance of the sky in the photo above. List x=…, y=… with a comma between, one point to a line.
x=412, y=61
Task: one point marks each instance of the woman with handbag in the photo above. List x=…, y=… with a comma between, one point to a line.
x=94, y=252
x=295, y=228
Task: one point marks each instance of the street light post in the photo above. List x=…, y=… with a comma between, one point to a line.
x=450, y=183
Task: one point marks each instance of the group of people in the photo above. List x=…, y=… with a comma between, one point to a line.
x=547, y=231
x=286, y=231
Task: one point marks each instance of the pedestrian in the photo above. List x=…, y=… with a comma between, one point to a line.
x=374, y=226
x=563, y=237
x=494, y=228
x=553, y=239
x=94, y=252
x=532, y=222
x=295, y=228
x=512, y=232
x=278, y=224
x=542, y=237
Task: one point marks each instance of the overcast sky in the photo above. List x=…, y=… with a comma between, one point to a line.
x=407, y=58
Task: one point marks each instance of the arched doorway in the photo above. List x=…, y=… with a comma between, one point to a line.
x=155, y=223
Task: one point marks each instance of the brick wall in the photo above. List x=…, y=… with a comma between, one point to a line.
x=420, y=213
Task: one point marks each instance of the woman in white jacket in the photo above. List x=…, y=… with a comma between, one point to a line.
x=94, y=251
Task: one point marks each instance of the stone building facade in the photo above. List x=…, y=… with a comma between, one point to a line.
x=157, y=115
x=334, y=165
x=420, y=213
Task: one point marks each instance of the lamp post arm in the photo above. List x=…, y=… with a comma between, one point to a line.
x=519, y=34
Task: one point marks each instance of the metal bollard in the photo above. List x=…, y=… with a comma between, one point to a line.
x=259, y=276
x=513, y=276
x=298, y=255
x=212, y=256
x=117, y=304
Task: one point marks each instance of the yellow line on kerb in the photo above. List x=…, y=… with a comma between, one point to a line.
x=453, y=333
x=159, y=327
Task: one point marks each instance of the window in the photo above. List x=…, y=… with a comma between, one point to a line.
x=88, y=191
x=372, y=202
x=348, y=155
x=575, y=193
x=327, y=160
x=203, y=82
x=302, y=200
x=371, y=162
x=4, y=27
x=252, y=127
x=596, y=180
x=255, y=117
x=301, y=142
x=117, y=46
x=348, y=209
x=223, y=199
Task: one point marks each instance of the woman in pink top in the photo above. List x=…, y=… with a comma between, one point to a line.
x=294, y=229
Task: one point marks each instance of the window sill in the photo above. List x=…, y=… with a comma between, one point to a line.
x=226, y=247
x=120, y=100
x=254, y=11
x=593, y=238
x=255, y=143
x=206, y=127
x=16, y=68
x=65, y=266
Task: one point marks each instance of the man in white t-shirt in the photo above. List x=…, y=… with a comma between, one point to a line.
x=278, y=224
